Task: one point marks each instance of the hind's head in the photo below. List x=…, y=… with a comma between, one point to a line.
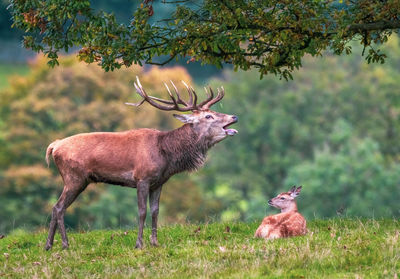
x=286, y=201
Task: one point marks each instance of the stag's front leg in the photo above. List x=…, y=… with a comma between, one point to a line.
x=142, y=194
x=154, y=205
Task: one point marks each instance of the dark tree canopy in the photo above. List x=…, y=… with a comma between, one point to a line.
x=272, y=36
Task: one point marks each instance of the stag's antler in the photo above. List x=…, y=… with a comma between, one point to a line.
x=211, y=100
x=174, y=103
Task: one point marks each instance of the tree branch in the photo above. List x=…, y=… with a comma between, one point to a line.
x=375, y=26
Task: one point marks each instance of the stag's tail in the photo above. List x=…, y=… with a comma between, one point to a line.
x=49, y=151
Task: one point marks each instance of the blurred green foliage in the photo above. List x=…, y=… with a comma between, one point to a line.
x=354, y=181
x=8, y=69
x=335, y=130
x=333, y=106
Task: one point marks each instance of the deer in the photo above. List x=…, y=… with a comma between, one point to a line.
x=142, y=158
x=287, y=223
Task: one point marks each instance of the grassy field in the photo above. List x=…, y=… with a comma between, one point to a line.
x=7, y=70
x=336, y=248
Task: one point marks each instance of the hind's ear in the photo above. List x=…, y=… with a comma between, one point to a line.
x=295, y=192
x=292, y=189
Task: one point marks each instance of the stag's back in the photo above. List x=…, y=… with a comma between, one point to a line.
x=125, y=155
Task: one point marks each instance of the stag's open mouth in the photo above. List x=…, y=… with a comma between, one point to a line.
x=230, y=132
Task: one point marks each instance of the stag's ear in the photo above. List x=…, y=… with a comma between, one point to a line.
x=294, y=192
x=185, y=118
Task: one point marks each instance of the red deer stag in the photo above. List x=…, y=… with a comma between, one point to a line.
x=287, y=223
x=144, y=158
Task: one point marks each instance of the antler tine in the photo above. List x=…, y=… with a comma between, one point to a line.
x=135, y=104
x=180, y=100
x=220, y=95
x=171, y=95
x=191, y=94
x=195, y=99
x=195, y=95
x=140, y=93
x=222, y=92
x=210, y=96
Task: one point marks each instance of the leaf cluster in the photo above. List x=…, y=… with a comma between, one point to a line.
x=272, y=36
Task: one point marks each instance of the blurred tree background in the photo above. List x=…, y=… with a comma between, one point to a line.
x=335, y=129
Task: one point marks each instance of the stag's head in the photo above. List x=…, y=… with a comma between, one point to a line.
x=286, y=201
x=208, y=124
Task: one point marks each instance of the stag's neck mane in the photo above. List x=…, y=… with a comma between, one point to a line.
x=184, y=149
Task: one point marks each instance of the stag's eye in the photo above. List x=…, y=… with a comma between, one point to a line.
x=282, y=198
x=209, y=117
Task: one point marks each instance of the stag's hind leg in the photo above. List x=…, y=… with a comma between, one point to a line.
x=52, y=230
x=69, y=194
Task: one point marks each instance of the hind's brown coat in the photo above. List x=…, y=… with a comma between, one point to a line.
x=282, y=225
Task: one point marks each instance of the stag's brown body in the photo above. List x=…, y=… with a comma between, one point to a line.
x=285, y=224
x=125, y=158
x=144, y=159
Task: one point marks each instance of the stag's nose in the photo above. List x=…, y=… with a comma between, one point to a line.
x=269, y=202
x=235, y=118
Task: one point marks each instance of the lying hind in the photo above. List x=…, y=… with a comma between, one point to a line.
x=287, y=223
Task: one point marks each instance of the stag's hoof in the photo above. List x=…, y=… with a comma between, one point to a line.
x=47, y=247
x=154, y=243
x=139, y=245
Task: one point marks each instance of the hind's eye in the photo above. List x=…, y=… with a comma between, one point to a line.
x=282, y=198
x=209, y=116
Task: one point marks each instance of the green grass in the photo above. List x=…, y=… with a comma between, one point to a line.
x=335, y=248
x=7, y=70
